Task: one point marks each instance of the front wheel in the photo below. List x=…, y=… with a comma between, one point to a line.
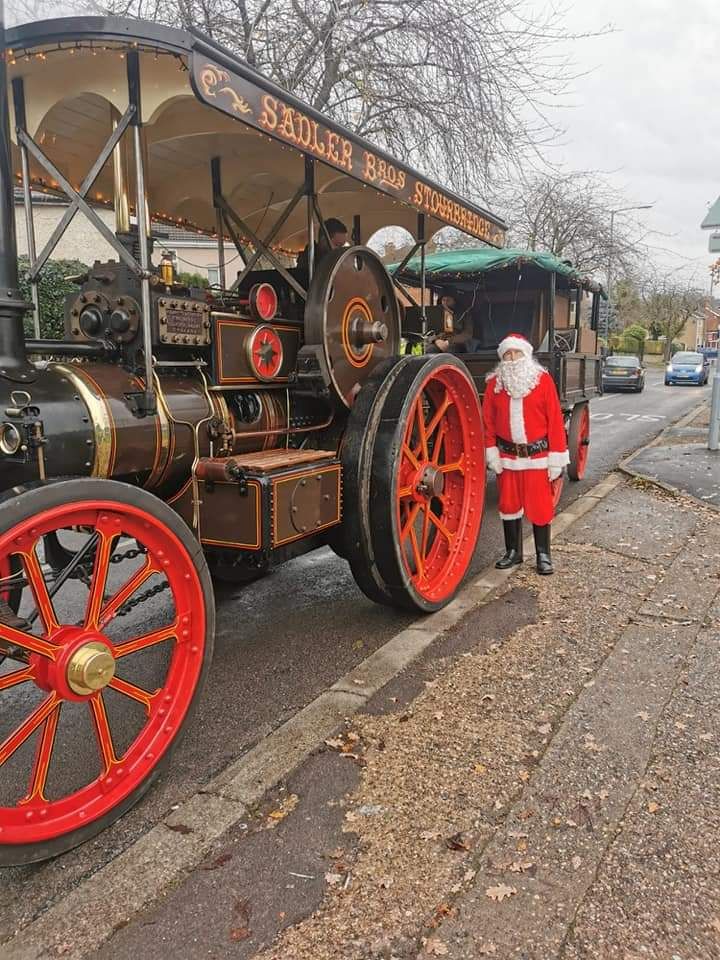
x=103, y=662
x=427, y=481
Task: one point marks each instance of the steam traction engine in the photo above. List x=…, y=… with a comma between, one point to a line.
x=176, y=434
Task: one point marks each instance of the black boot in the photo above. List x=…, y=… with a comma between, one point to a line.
x=513, y=544
x=542, y=550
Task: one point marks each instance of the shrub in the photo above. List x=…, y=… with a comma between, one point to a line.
x=52, y=288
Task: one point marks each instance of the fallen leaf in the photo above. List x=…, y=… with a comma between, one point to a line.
x=544, y=728
x=653, y=807
x=501, y=892
x=179, y=828
x=286, y=807
x=576, y=863
x=524, y=775
x=430, y=835
x=336, y=743
x=643, y=715
x=436, y=948
x=217, y=862
x=239, y=933
x=480, y=768
x=521, y=866
x=333, y=879
x=456, y=842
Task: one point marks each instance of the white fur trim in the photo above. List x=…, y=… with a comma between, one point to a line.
x=512, y=516
x=514, y=343
x=558, y=459
x=554, y=472
x=524, y=463
x=517, y=421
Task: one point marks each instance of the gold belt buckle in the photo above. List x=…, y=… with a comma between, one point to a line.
x=523, y=450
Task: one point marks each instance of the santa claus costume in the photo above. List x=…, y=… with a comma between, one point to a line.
x=526, y=446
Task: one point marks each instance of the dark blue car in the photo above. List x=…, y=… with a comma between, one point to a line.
x=687, y=367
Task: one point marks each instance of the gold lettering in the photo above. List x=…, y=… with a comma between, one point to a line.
x=268, y=118
x=401, y=180
x=347, y=149
x=286, y=128
x=369, y=170
x=332, y=140
x=304, y=130
x=417, y=195
x=316, y=147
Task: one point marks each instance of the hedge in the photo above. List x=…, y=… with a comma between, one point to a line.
x=53, y=288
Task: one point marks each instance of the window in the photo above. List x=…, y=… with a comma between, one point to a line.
x=213, y=276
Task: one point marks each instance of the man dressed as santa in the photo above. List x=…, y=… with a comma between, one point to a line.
x=525, y=445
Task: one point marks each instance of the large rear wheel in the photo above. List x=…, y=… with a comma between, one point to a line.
x=104, y=659
x=427, y=483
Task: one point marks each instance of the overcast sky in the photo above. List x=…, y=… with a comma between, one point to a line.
x=648, y=113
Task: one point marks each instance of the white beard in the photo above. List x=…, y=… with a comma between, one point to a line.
x=517, y=377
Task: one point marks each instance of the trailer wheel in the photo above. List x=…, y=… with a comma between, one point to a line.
x=427, y=481
x=579, y=440
x=105, y=659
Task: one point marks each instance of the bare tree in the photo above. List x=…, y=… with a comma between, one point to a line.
x=568, y=214
x=451, y=86
x=669, y=304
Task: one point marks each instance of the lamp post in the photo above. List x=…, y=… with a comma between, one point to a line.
x=641, y=206
x=714, y=431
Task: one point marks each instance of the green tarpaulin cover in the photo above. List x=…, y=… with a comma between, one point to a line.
x=463, y=264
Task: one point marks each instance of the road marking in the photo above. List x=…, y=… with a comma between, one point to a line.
x=645, y=417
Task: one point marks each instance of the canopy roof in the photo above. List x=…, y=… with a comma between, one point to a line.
x=466, y=265
x=199, y=101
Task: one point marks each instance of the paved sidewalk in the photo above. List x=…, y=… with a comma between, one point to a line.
x=542, y=783
x=681, y=460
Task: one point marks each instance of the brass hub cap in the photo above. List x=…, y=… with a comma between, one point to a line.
x=91, y=668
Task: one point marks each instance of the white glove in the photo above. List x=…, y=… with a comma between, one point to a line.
x=492, y=458
x=554, y=472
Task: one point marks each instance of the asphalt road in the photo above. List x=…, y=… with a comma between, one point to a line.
x=281, y=641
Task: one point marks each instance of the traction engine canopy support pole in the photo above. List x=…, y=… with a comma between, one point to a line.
x=13, y=358
x=141, y=215
x=217, y=193
x=21, y=123
x=310, y=194
x=421, y=242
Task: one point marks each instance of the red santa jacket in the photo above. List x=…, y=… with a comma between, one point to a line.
x=525, y=420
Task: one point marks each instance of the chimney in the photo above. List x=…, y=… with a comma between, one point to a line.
x=13, y=359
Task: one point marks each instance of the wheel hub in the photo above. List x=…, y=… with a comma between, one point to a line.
x=90, y=668
x=431, y=482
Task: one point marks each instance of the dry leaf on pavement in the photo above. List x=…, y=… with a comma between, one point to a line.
x=501, y=892
x=436, y=948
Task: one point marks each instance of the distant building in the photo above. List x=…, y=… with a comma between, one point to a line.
x=81, y=241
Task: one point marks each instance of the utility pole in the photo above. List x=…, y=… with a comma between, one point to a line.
x=714, y=432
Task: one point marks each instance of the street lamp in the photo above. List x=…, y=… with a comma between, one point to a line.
x=640, y=206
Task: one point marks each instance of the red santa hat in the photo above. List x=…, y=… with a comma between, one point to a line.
x=515, y=341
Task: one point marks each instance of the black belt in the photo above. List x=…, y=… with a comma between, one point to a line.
x=523, y=449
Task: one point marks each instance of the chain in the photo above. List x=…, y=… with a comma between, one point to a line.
x=83, y=572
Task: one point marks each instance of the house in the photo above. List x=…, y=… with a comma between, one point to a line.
x=194, y=253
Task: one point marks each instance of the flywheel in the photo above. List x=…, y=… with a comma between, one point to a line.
x=352, y=319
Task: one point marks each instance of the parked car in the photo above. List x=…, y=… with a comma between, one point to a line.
x=687, y=367
x=623, y=373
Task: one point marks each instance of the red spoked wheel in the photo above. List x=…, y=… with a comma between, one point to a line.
x=427, y=482
x=557, y=489
x=103, y=660
x=579, y=440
